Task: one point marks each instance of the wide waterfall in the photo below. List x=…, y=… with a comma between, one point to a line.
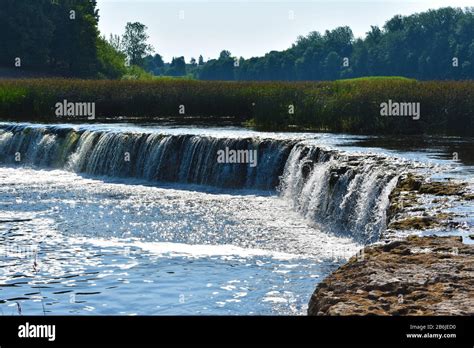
x=149, y=156
x=346, y=193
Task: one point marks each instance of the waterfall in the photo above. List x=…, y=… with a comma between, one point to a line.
x=344, y=192
x=150, y=156
x=347, y=193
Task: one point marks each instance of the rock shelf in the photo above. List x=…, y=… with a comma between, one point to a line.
x=415, y=276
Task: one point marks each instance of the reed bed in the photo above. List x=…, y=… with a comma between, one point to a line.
x=447, y=107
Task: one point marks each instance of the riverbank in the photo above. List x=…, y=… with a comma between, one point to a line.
x=416, y=276
x=355, y=106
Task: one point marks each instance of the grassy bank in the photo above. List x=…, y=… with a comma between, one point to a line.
x=341, y=106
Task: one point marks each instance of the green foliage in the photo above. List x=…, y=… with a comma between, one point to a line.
x=340, y=106
x=134, y=43
x=73, y=45
x=154, y=64
x=134, y=72
x=219, y=69
x=374, y=78
x=177, y=67
x=57, y=38
x=11, y=94
x=111, y=62
x=420, y=46
x=26, y=31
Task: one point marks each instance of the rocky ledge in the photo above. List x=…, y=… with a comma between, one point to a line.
x=415, y=276
x=409, y=202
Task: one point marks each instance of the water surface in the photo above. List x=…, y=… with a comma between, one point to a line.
x=103, y=239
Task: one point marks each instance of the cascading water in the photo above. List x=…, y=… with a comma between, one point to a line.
x=345, y=193
x=150, y=156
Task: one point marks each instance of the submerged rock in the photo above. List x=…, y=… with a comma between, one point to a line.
x=425, y=222
x=443, y=188
x=407, y=211
x=416, y=276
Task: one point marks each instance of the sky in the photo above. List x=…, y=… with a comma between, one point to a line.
x=248, y=28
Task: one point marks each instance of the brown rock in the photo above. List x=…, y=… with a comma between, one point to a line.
x=435, y=277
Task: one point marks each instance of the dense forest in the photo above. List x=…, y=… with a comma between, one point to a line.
x=62, y=38
x=437, y=44
x=57, y=37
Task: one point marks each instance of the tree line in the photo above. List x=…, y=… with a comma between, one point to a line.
x=62, y=37
x=437, y=44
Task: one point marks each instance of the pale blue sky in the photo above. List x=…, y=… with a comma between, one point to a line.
x=248, y=28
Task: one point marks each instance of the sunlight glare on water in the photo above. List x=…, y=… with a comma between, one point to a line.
x=121, y=247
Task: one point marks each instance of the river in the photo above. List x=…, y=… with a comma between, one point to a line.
x=143, y=220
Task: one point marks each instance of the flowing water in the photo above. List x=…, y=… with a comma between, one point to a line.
x=126, y=219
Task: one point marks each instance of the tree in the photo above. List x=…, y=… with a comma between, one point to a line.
x=116, y=42
x=111, y=61
x=154, y=64
x=74, y=42
x=219, y=69
x=60, y=38
x=26, y=32
x=134, y=43
x=224, y=54
x=55, y=37
x=332, y=66
x=177, y=67
x=200, y=60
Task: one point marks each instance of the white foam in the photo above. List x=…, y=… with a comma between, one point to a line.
x=192, y=250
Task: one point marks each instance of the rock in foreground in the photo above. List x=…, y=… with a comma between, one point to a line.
x=416, y=276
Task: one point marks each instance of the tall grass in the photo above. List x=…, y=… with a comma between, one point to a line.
x=353, y=105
